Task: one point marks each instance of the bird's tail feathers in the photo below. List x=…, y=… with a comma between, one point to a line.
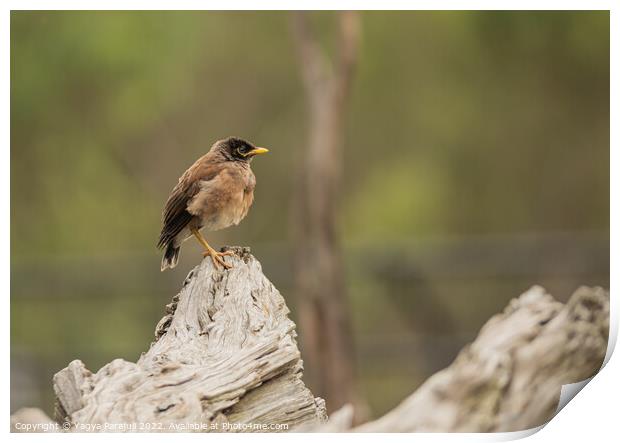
x=171, y=256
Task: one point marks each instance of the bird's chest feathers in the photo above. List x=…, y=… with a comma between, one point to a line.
x=224, y=201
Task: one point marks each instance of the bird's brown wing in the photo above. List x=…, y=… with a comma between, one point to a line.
x=175, y=216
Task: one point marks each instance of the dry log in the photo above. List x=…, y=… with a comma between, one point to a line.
x=511, y=376
x=225, y=359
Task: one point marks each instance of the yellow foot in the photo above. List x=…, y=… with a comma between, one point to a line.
x=216, y=257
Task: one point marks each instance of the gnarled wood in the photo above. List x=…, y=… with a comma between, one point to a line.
x=225, y=358
x=510, y=377
x=225, y=353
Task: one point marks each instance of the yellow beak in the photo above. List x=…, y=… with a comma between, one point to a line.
x=258, y=151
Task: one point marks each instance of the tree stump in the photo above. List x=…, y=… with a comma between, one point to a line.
x=224, y=359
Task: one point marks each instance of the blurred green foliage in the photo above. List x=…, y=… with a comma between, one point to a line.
x=462, y=125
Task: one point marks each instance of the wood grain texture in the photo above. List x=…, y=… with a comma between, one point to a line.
x=225, y=353
x=510, y=377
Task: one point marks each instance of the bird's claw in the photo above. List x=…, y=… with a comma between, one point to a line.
x=216, y=258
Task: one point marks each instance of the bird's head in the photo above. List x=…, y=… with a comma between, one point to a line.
x=236, y=149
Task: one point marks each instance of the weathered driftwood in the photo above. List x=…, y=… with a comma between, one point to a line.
x=225, y=357
x=226, y=354
x=510, y=377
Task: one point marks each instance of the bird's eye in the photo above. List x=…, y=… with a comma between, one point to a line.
x=240, y=151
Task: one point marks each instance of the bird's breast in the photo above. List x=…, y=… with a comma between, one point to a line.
x=230, y=213
x=226, y=203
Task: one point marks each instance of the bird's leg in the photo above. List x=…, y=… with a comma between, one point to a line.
x=216, y=257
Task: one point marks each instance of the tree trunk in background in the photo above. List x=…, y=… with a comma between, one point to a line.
x=319, y=275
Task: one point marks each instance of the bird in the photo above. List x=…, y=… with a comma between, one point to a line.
x=214, y=193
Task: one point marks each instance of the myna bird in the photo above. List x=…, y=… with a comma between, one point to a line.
x=214, y=193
